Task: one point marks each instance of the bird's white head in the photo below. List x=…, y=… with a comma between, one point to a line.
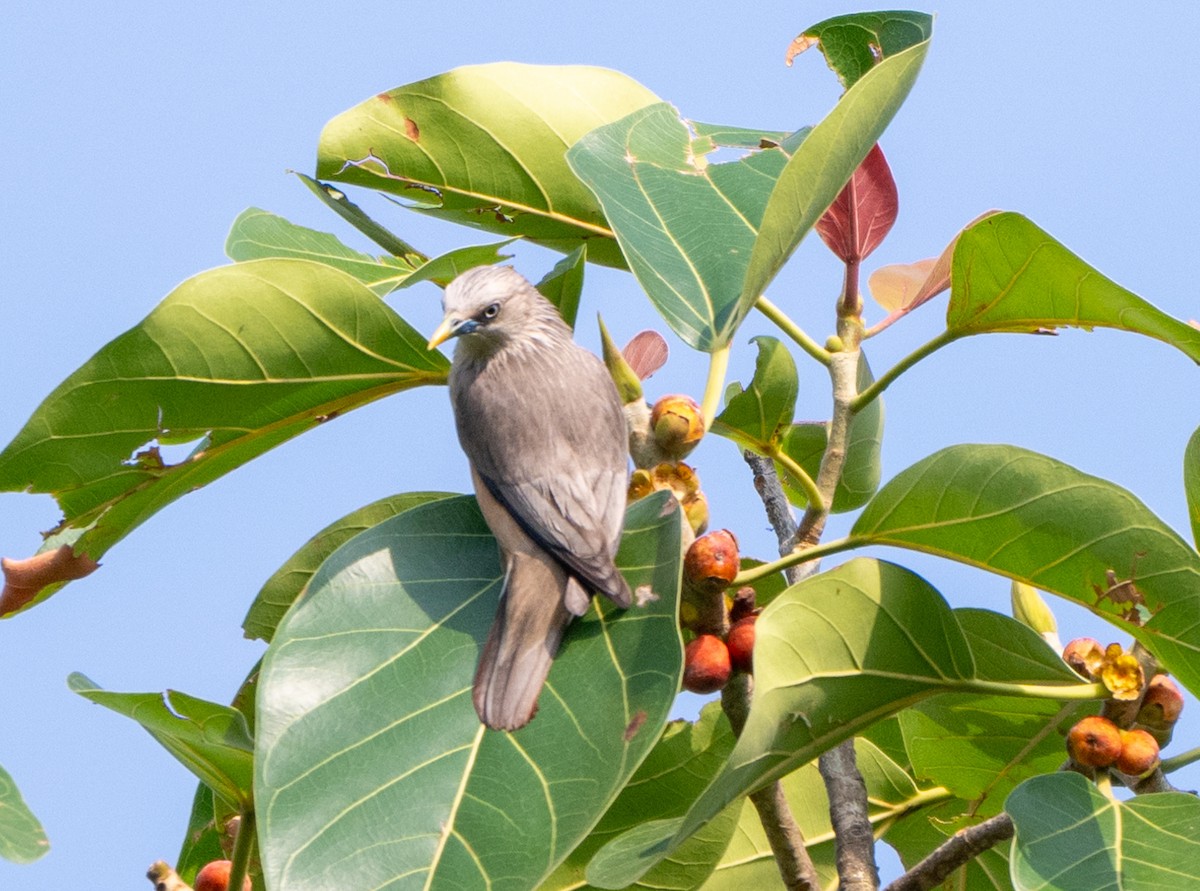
x=493, y=306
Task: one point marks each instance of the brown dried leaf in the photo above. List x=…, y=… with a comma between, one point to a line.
x=25, y=579
x=796, y=47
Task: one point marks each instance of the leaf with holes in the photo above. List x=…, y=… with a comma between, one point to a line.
x=824, y=162
x=853, y=44
x=211, y=740
x=484, y=146
x=685, y=225
x=22, y=839
x=234, y=362
x=1044, y=523
x=1010, y=275
x=365, y=728
x=1071, y=837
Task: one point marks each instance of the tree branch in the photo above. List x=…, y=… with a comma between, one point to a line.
x=966, y=845
x=847, y=792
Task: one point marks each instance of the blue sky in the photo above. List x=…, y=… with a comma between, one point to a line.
x=135, y=133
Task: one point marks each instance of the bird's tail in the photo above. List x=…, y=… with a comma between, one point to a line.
x=529, y=626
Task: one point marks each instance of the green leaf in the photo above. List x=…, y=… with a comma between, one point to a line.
x=1191, y=483
x=288, y=582
x=441, y=270
x=686, y=226
x=1005, y=648
x=210, y=740
x=1042, y=522
x=235, y=360
x=22, y=839
x=918, y=834
x=805, y=444
x=754, y=417
x=853, y=44
x=335, y=199
x=563, y=285
x=833, y=655
x=981, y=747
x=822, y=164
x=1010, y=275
x=484, y=146
x=202, y=841
x=677, y=769
x=365, y=710
x=258, y=234
x=749, y=862
x=1070, y=836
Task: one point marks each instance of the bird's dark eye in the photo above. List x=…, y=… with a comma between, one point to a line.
x=492, y=311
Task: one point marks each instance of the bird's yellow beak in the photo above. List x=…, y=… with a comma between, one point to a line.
x=443, y=333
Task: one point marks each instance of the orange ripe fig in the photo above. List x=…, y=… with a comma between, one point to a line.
x=740, y=642
x=1162, y=703
x=705, y=664
x=1084, y=655
x=711, y=562
x=215, y=877
x=1094, y=742
x=1139, y=753
x=677, y=424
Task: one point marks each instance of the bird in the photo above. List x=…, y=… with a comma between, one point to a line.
x=542, y=426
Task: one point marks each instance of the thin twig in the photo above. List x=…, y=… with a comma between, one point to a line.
x=965, y=846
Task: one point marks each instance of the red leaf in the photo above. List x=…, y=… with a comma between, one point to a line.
x=863, y=212
x=646, y=353
x=25, y=579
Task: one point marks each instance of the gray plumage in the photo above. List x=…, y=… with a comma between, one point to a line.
x=540, y=421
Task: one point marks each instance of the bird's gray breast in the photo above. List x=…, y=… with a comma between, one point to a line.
x=544, y=428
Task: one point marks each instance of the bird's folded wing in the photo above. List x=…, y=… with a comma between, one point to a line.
x=570, y=515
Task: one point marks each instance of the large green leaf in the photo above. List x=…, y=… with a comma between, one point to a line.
x=1191, y=483
x=1010, y=275
x=484, y=146
x=686, y=226
x=236, y=360
x=677, y=769
x=749, y=862
x=820, y=167
x=853, y=44
x=211, y=740
x=288, y=582
x=839, y=651
x=22, y=839
x=1071, y=837
x=1045, y=523
x=372, y=768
